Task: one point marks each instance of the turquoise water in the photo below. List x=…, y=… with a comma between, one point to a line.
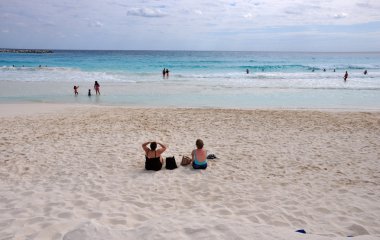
x=197, y=79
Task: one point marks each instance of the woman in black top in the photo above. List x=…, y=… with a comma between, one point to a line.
x=153, y=158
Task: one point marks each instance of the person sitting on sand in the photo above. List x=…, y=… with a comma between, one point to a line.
x=199, y=156
x=153, y=158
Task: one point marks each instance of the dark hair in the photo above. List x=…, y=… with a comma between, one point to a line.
x=199, y=143
x=153, y=146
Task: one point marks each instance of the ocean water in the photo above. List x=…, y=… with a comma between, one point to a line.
x=196, y=79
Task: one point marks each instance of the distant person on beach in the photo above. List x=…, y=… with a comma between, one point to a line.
x=313, y=70
x=153, y=158
x=163, y=73
x=334, y=69
x=76, y=90
x=97, y=88
x=89, y=92
x=365, y=72
x=199, y=156
x=345, y=76
x=247, y=71
x=324, y=69
x=167, y=73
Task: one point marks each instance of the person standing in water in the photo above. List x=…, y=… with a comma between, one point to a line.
x=247, y=71
x=167, y=73
x=76, y=90
x=97, y=88
x=163, y=73
x=345, y=76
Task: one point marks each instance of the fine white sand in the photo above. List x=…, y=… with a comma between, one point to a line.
x=69, y=172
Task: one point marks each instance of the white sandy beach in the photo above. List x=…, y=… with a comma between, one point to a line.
x=77, y=172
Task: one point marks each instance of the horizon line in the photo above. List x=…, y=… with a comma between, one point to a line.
x=179, y=50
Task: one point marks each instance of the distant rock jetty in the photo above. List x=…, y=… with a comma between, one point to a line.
x=25, y=51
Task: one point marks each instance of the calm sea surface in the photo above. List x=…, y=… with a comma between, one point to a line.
x=196, y=79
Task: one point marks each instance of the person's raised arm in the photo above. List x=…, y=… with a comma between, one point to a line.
x=144, y=146
x=162, y=149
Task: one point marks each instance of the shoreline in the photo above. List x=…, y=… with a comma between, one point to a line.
x=32, y=108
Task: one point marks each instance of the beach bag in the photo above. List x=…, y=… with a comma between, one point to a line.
x=171, y=163
x=185, y=161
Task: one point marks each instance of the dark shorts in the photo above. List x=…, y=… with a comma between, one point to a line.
x=196, y=166
x=153, y=164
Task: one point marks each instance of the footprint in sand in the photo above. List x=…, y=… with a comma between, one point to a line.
x=139, y=217
x=20, y=213
x=224, y=212
x=116, y=221
x=191, y=231
x=35, y=220
x=65, y=215
x=79, y=203
x=6, y=223
x=253, y=219
x=94, y=215
x=357, y=230
x=261, y=199
x=140, y=204
x=27, y=193
x=323, y=210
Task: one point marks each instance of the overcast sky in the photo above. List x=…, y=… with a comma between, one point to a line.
x=257, y=25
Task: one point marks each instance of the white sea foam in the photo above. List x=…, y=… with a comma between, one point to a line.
x=59, y=74
x=297, y=80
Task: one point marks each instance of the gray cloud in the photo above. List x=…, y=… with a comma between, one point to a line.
x=293, y=12
x=146, y=12
x=340, y=15
x=363, y=5
x=96, y=24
